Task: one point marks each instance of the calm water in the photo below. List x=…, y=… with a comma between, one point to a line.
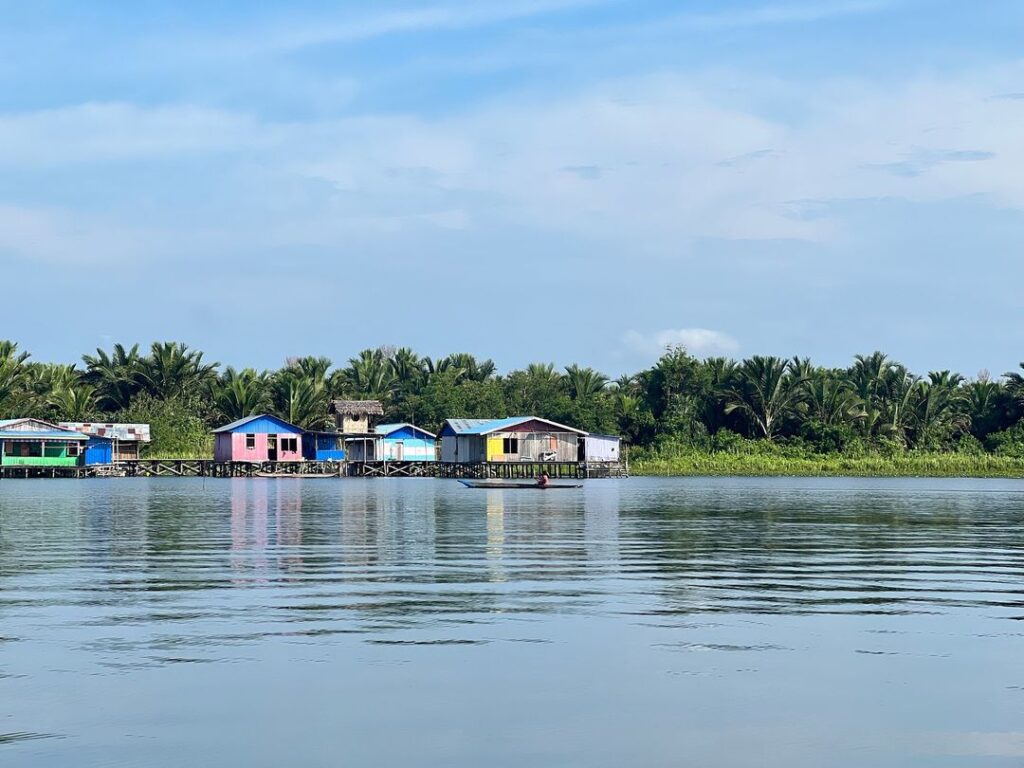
x=417, y=623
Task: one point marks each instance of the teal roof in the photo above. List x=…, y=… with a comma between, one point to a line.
x=48, y=432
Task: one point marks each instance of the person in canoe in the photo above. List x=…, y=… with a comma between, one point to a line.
x=543, y=480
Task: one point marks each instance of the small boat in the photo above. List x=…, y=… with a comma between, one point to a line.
x=310, y=476
x=510, y=484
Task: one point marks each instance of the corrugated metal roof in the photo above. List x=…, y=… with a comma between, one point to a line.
x=59, y=435
x=467, y=426
x=113, y=431
x=48, y=430
x=242, y=422
x=387, y=429
x=486, y=426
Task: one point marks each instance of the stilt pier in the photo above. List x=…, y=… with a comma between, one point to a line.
x=210, y=468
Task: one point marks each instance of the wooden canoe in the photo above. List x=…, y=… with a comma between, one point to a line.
x=521, y=485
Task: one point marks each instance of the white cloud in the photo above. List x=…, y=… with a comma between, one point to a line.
x=651, y=164
x=116, y=132
x=700, y=342
x=68, y=237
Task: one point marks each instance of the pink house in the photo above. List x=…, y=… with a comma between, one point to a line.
x=257, y=439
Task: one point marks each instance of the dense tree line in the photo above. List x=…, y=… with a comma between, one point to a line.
x=679, y=403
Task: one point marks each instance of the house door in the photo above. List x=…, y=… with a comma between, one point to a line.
x=271, y=447
x=399, y=450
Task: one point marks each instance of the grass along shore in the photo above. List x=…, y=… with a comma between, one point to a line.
x=909, y=464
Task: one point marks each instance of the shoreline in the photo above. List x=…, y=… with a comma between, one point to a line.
x=935, y=465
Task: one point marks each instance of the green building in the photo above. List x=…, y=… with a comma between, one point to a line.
x=38, y=443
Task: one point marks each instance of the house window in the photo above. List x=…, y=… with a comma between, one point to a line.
x=510, y=445
x=289, y=444
x=250, y=442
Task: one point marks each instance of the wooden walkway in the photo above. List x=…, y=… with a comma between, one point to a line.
x=210, y=468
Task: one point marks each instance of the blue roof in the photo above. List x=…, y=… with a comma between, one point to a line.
x=235, y=425
x=465, y=426
x=486, y=426
x=387, y=429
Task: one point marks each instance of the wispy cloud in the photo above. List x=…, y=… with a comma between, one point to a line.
x=585, y=172
x=114, y=132
x=923, y=160
x=747, y=157
x=793, y=13
x=701, y=342
x=287, y=37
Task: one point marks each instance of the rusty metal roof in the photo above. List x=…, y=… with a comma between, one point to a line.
x=113, y=431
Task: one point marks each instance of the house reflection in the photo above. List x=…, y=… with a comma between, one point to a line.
x=249, y=529
x=496, y=535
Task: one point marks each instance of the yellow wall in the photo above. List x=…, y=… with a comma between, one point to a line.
x=494, y=448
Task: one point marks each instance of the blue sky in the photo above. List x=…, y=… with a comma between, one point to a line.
x=557, y=180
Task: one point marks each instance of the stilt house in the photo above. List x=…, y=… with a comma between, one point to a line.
x=110, y=443
x=516, y=439
x=394, y=442
x=38, y=443
x=258, y=439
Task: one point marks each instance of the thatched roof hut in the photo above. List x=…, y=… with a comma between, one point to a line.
x=352, y=417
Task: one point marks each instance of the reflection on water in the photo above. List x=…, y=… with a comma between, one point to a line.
x=415, y=622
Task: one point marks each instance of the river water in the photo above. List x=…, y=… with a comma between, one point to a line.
x=406, y=622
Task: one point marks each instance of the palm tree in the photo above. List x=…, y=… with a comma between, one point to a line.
x=802, y=367
x=719, y=374
x=304, y=402
x=831, y=401
x=543, y=373
x=370, y=375
x=172, y=369
x=868, y=377
x=115, y=376
x=73, y=402
x=767, y=393
x=472, y=369
x=895, y=400
x=13, y=394
x=312, y=367
x=627, y=383
x=936, y=408
x=238, y=394
x=584, y=383
x=980, y=402
x=408, y=368
x=1015, y=385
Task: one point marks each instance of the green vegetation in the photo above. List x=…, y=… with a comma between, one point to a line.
x=763, y=415
x=763, y=461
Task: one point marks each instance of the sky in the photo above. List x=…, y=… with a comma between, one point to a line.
x=528, y=180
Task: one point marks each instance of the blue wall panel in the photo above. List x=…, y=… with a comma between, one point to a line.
x=98, y=451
